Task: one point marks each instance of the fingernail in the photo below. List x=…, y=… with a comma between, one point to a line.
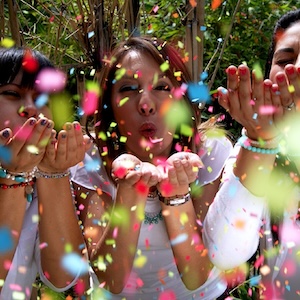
x=290, y=70
x=76, y=126
x=63, y=135
x=280, y=78
x=5, y=134
x=44, y=122
x=242, y=71
x=232, y=71
x=32, y=122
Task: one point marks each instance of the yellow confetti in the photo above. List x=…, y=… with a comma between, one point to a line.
x=33, y=149
x=291, y=88
x=123, y=139
x=140, y=261
x=164, y=66
x=183, y=218
x=7, y=43
x=123, y=101
x=83, y=195
x=68, y=248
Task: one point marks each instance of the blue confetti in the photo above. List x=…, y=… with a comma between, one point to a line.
x=179, y=239
x=5, y=154
x=6, y=240
x=202, y=28
x=92, y=165
x=41, y=100
x=255, y=280
x=75, y=264
x=198, y=92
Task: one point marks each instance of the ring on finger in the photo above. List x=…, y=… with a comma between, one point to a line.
x=290, y=106
x=233, y=90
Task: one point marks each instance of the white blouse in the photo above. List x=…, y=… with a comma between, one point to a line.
x=159, y=275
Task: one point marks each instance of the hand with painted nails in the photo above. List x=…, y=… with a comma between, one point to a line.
x=66, y=150
x=25, y=149
x=253, y=102
x=179, y=171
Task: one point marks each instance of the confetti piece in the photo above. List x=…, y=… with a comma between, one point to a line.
x=179, y=239
x=5, y=154
x=62, y=109
x=6, y=240
x=7, y=43
x=29, y=63
x=258, y=71
x=164, y=66
x=32, y=149
x=74, y=264
x=140, y=261
x=123, y=101
x=167, y=295
x=198, y=92
x=41, y=100
x=50, y=80
x=215, y=4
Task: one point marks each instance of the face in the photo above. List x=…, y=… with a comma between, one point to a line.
x=287, y=50
x=18, y=104
x=138, y=101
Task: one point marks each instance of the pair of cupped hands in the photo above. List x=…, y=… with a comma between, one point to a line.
x=36, y=143
x=171, y=177
x=259, y=104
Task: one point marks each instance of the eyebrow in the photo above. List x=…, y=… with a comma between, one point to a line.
x=285, y=50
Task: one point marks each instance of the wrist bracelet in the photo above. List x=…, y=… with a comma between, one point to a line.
x=243, y=144
x=260, y=142
x=41, y=174
x=175, y=200
x=28, y=188
x=18, y=177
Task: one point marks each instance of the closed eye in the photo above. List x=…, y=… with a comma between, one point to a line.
x=10, y=93
x=163, y=87
x=128, y=88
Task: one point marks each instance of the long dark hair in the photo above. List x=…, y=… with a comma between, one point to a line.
x=161, y=52
x=11, y=62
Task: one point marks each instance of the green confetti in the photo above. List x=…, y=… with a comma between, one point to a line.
x=164, y=66
x=258, y=71
x=123, y=101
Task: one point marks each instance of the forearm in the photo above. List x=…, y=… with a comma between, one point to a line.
x=12, y=211
x=58, y=228
x=232, y=224
x=117, y=247
x=192, y=262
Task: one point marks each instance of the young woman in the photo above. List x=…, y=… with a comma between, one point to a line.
x=38, y=223
x=143, y=191
x=272, y=219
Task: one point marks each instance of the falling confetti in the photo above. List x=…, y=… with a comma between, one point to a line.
x=50, y=80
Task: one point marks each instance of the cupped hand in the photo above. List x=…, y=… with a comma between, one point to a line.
x=179, y=171
x=66, y=150
x=26, y=148
x=128, y=170
x=253, y=102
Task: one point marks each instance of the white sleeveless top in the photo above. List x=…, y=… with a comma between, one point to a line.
x=159, y=275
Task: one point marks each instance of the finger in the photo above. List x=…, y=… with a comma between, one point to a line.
x=257, y=99
x=285, y=95
x=61, y=150
x=293, y=76
x=51, y=147
x=180, y=172
x=232, y=87
x=223, y=98
x=5, y=136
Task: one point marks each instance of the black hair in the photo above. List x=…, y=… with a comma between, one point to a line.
x=286, y=21
x=11, y=63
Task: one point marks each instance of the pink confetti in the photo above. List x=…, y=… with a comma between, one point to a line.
x=259, y=262
x=267, y=109
x=155, y=8
x=167, y=295
x=51, y=80
x=90, y=102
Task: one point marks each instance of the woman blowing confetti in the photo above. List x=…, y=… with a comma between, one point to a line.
x=268, y=211
x=38, y=223
x=143, y=191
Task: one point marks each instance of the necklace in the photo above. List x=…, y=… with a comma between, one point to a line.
x=153, y=218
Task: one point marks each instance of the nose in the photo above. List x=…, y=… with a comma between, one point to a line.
x=146, y=104
x=29, y=108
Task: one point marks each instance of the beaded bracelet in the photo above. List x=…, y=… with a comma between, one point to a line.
x=260, y=142
x=175, y=200
x=41, y=174
x=242, y=143
x=18, y=177
x=28, y=188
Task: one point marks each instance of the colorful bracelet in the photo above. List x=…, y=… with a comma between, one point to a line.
x=18, y=177
x=28, y=188
x=175, y=200
x=260, y=142
x=243, y=144
x=41, y=174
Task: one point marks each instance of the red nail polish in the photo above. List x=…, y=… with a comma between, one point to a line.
x=243, y=71
x=232, y=71
x=290, y=70
x=280, y=78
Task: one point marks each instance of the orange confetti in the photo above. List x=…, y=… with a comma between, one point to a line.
x=215, y=4
x=240, y=224
x=193, y=3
